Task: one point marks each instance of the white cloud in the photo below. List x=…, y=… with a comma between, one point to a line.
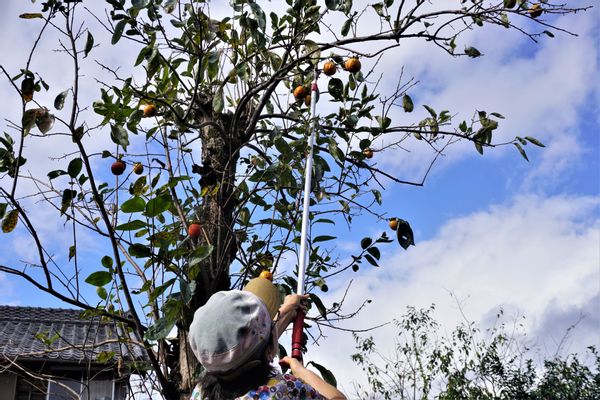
x=541, y=89
x=7, y=290
x=535, y=256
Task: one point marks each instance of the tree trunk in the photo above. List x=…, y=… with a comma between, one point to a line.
x=220, y=154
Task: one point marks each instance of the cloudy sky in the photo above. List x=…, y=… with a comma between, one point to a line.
x=492, y=232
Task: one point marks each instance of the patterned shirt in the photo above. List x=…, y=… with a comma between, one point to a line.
x=283, y=387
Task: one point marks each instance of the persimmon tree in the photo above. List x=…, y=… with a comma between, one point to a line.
x=220, y=138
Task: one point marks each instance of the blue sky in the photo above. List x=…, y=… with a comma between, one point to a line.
x=494, y=230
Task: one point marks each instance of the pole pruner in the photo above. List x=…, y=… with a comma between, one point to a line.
x=298, y=327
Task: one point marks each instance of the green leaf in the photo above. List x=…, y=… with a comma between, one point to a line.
x=535, y=141
x=59, y=101
x=332, y=4
x=78, y=134
x=187, y=290
x=139, y=187
x=89, y=44
x=521, y=150
x=378, y=7
x=346, y=27
x=320, y=306
x=75, y=167
x=131, y=225
x=10, y=221
x=104, y=356
x=139, y=3
x=101, y=293
x=377, y=195
x=472, y=52
x=31, y=15
x=72, y=252
x=504, y=19
x=282, y=146
x=325, y=373
x=107, y=262
x=154, y=63
x=213, y=64
x=56, y=173
x=323, y=238
x=334, y=150
x=371, y=260
x=160, y=329
x=407, y=103
x=44, y=121
x=479, y=147
x=170, y=5
x=135, y=204
x=139, y=250
x=67, y=198
x=335, y=88
x=158, y=205
x=3, y=207
x=430, y=110
x=119, y=135
x=142, y=55
x=99, y=278
x=404, y=234
x=217, y=102
x=374, y=251
x=118, y=31
x=160, y=290
x=324, y=221
x=275, y=60
x=200, y=254
x=365, y=242
x=28, y=119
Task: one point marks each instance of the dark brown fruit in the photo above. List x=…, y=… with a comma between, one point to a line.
x=118, y=167
x=138, y=168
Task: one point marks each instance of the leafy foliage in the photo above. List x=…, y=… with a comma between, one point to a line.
x=470, y=364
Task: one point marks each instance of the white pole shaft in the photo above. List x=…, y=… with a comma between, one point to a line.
x=307, y=188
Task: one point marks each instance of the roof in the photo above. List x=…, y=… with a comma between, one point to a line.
x=42, y=334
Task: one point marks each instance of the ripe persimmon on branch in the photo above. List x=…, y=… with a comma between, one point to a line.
x=187, y=164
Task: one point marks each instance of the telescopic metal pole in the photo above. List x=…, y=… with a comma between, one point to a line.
x=299, y=321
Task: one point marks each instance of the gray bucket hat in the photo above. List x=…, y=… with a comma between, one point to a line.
x=229, y=330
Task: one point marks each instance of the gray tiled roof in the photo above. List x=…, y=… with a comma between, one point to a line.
x=79, y=339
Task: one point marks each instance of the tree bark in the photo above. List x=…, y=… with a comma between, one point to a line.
x=220, y=154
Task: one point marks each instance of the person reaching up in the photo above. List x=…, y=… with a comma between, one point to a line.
x=235, y=338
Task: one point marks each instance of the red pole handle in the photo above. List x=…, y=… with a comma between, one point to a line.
x=297, y=335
